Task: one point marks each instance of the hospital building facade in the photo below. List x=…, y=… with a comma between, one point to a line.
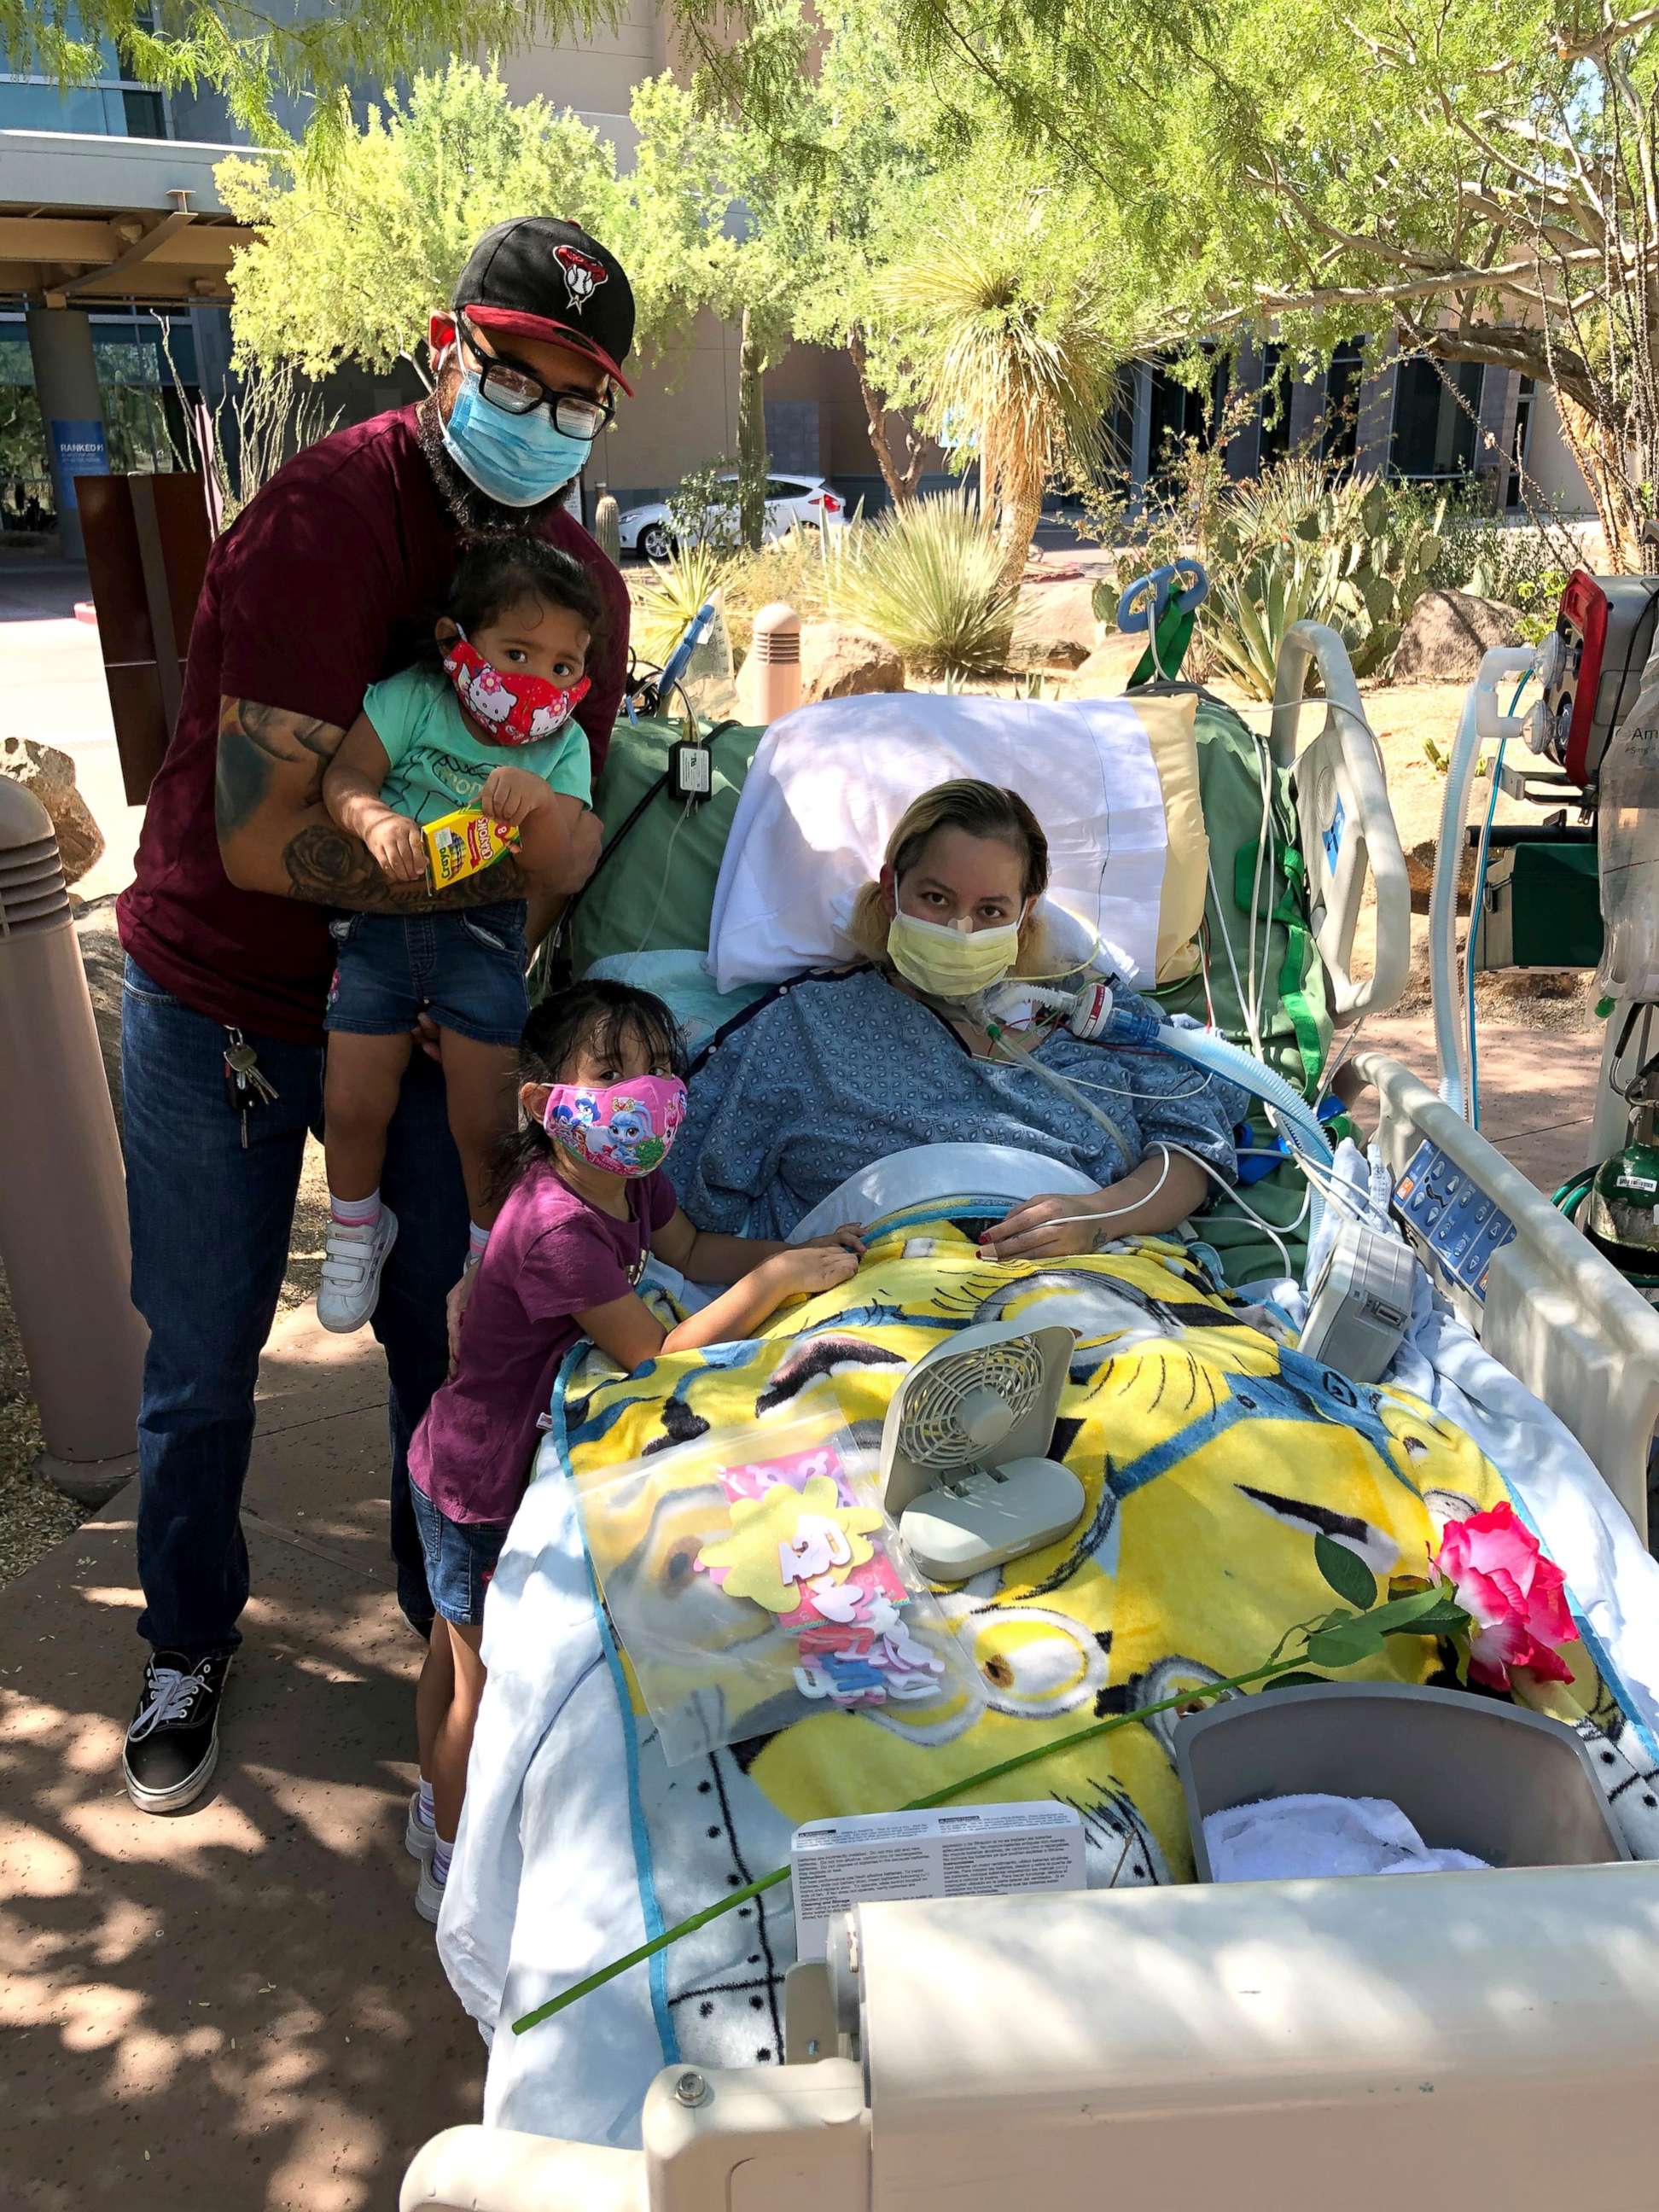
x=115, y=250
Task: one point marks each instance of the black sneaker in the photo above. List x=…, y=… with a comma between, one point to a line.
x=173, y=1743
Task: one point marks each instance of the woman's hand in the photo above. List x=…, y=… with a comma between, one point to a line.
x=1156, y=1198
x=1040, y=1229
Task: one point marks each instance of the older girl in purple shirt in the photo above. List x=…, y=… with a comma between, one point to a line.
x=586, y=1205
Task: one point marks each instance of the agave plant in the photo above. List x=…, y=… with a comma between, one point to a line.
x=676, y=589
x=929, y=579
x=1298, y=547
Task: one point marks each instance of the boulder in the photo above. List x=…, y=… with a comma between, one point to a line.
x=1446, y=634
x=50, y=774
x=1105, y=674
x=840, y=662
x=1055, y=626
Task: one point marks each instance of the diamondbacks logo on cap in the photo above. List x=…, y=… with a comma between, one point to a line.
x=583, y=276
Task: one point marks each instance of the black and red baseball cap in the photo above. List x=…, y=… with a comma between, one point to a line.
x=540, y=277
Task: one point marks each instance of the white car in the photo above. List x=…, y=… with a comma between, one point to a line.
x=789, y=501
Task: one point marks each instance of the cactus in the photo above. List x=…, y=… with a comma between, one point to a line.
x=606, y=534
x=1299, y=546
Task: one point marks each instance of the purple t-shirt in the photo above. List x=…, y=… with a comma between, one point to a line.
x=550, y=1256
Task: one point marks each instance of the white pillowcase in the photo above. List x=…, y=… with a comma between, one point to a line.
x=830, y=782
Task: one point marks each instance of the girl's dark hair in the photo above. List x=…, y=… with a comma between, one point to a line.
x=604, y=1015
x=496, y=573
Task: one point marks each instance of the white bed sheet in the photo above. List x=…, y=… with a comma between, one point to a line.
x=543, y=1890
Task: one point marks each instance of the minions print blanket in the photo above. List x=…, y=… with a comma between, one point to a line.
x=1211, y=1455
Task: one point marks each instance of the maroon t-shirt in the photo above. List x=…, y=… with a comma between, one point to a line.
x=331, y=578
x=550, y=1256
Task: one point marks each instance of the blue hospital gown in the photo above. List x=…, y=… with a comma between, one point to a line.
x=835, y=1073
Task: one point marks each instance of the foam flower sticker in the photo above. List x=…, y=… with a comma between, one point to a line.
x=1515, y=1597
x=788, y=1538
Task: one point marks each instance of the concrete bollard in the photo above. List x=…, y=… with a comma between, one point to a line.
x=774, y=685
x=62, y=1196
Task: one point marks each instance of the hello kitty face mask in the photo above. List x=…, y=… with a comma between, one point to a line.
x=514, y=709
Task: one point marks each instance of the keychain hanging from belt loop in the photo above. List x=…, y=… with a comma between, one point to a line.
x=246, y=1085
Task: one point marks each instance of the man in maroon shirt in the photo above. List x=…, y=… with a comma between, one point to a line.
x=330, y=579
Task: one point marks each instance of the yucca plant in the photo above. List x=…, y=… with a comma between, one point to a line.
x=929, y=579
x=667, y=603
x=1032, y=375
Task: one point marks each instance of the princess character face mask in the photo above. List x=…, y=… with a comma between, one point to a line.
x=624, y=1128
x=514, y=709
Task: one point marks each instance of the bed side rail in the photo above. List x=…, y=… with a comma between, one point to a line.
x=499, y=2170
x=1557, y=1315
x=1348, y=825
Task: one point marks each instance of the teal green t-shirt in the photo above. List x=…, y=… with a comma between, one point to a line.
x=437, y=764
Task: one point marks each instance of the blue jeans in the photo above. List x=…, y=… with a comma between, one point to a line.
x=210, y=1225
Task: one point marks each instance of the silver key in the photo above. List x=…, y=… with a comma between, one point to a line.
x=244, y=1063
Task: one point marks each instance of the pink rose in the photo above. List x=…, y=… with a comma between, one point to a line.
x=1513, y=1594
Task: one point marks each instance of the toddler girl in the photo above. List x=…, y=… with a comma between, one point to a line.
x=491, y=728
x=586, y=1202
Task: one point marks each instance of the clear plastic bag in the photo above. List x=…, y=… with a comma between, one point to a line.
x=1628, y=839
x=753, y=1580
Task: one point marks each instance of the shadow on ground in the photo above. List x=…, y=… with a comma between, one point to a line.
x=237, y=2008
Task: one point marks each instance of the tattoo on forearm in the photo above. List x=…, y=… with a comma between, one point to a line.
x=330, y=867
x=254, y=741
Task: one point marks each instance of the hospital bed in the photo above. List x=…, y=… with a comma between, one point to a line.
x=1264, y=2045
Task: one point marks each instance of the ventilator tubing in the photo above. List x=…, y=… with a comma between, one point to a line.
x=1129, y=1027
x=1222, y=1057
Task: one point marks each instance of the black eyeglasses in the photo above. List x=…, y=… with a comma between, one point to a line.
x=516, y=391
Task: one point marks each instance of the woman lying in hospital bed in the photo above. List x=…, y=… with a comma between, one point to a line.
x=831, y=1074
x=1210, y=1452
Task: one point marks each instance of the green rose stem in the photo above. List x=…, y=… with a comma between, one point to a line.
x=1269, y=1667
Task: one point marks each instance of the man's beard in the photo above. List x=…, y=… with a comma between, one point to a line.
x=473, y=512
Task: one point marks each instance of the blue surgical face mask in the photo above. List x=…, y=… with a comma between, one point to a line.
x=517, y=459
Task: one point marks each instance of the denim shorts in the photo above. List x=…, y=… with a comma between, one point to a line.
x=465, y=969
x=460, y=1559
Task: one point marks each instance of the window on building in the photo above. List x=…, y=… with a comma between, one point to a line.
x=1181, y=412
x=1339, y=442
x=118, y=106
x=1436, y=413
x=1276, y=441
x=1119, y=438
x=1526, y=393
x=142, y=361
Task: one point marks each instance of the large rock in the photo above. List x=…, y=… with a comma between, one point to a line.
x=50, y=774
x=1055, y=626
x=840, y=662
x=1105, y=674
x=1446, y=635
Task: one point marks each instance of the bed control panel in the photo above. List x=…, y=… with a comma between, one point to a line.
x=1456, y=1219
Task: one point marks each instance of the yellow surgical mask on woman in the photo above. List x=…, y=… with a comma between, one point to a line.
x=950, y=961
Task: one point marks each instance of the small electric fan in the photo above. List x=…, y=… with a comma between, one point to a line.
x=964, y=1465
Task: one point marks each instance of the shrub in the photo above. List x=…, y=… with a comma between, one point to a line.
x=927, y=578
x=1299, y=545
x=702, y=509
x=796, y=567
x=665, y=603
x=1525, y=566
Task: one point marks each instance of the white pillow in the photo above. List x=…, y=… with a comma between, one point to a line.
x=830, y=782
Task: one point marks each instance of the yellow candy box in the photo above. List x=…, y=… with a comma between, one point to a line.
x=463, y=844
